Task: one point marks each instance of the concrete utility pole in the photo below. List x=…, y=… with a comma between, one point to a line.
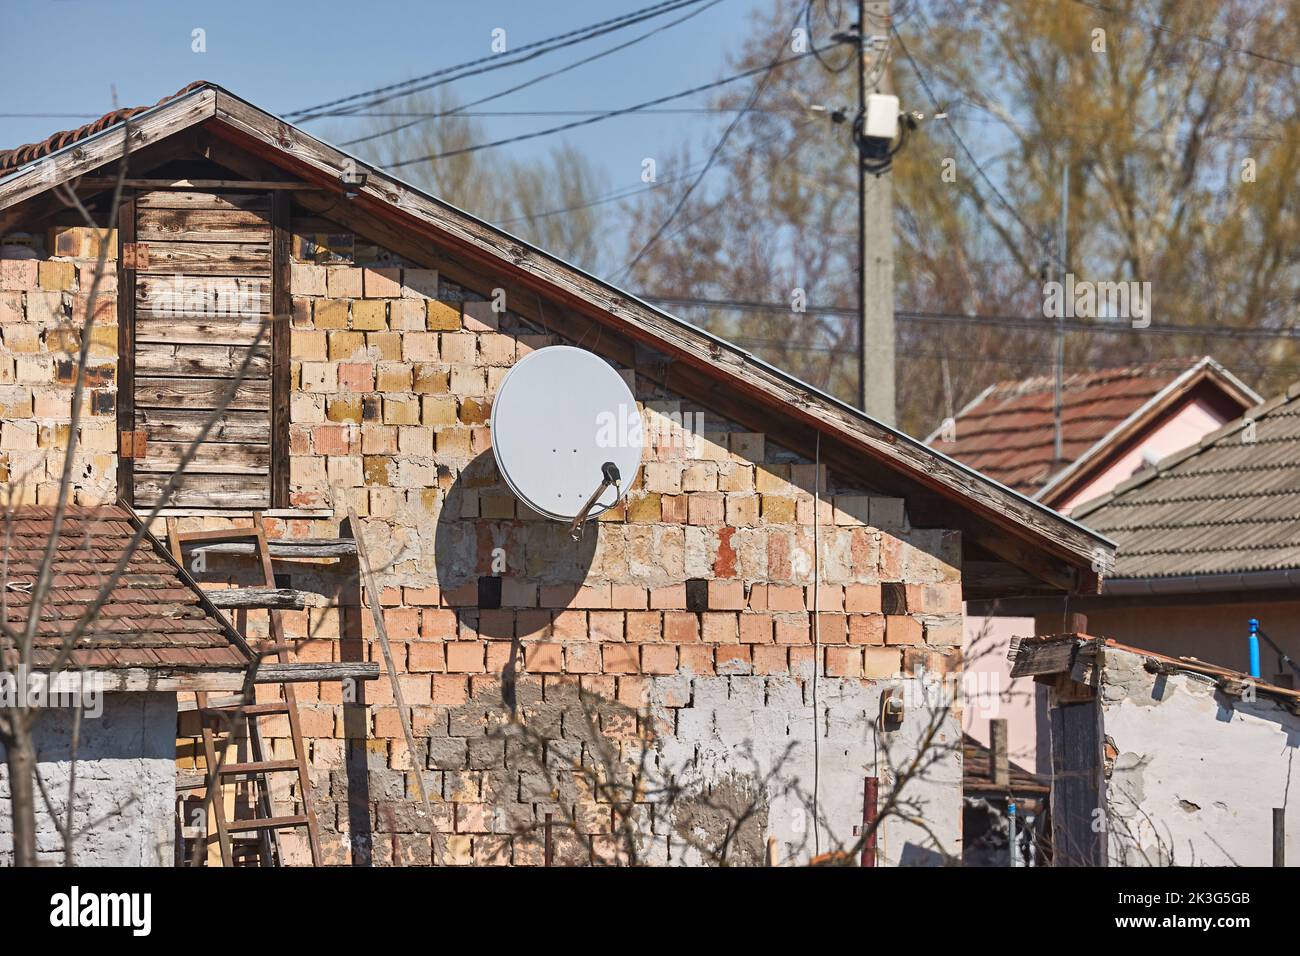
x=875, y=231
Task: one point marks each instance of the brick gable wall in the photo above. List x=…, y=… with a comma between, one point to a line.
x=637, y=689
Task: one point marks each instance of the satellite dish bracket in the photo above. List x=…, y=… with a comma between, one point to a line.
x=609, y=476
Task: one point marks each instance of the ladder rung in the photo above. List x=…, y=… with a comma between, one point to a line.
x=267, y=823
x=258, y=766
x=252, y=710
x=257, y=598
x=224, y=534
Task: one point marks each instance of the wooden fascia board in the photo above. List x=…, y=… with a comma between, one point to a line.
x=87, y=155
x=385, y=196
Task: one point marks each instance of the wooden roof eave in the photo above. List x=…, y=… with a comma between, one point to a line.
x=1028, y=525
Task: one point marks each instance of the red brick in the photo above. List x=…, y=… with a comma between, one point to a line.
x=866, y=629
x=659, y=659
x=844, y=661
x=727, y=595
x=438, y=624
x=426, y=656
x=770, y=659
x=450, y=691
x=403, y=623
x=706, y=509
x=628, y=597
x=421, y=597
x=544, y=658
x=792, y=629
x=356, y=376
x=644, y=626
x=862, y=597
x=784, y=597
x=465, y=657
x=569, y=626
x=720, y=627
x=607, y=626
x=681, y=627
x=620, y=658
x=733, y=659
x=901, y=629
x=696, y=658
x=756, y=628
x=831, y=598
x=832, y=629
x=582, y=658
x=672, y=596
x=880, y=662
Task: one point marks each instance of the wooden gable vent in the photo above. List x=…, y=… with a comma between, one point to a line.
x=199, y=278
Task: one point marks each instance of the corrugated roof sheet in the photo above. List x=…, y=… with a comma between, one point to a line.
x=1229, y=504
x=1009, y=432
x=153, y=617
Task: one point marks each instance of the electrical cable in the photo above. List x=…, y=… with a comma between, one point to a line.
x=713, y=155
x=493, y=62
x=598, y=118
x=538, y=79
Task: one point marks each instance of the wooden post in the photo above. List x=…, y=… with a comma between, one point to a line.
x=377, y=615
x=999, y=766
x=1279, y=836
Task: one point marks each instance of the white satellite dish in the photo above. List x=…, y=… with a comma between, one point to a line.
x=566, y=433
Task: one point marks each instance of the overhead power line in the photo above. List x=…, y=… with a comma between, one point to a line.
x=539, y=79
x=1006, y=203
x=495, y=61
x=599, y=117
x=1030, y=322
x=754, y=94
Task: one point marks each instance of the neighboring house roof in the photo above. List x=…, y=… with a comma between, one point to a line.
x=977, y=772
x=1050, y=549
x=1229, y=504
x=154, y=619
x=1009, y=432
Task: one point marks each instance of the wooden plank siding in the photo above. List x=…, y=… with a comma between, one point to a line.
x=204, y=291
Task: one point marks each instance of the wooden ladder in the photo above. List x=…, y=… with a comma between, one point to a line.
x=265, y=824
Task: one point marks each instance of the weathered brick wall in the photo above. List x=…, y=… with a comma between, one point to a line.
x=642, y=687
x=43, y=304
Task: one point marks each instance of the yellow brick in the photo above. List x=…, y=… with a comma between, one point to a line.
x=454, y=442
x=444, y=316
x=309, y=346
x=378, y=469
x=331, y=313
x=370, y=315
x=393, y=377
x=57, y=276
x=388, y=344
x=346, y=345
x=403, y=410
x=344, y=410
x=431, y=378
x=475, y=411
x=439, y=410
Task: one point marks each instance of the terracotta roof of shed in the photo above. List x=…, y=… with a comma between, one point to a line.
x=20, y=155
x=155, y=616
x=1008, y=432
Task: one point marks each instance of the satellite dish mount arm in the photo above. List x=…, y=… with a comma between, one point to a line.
x=609, y=476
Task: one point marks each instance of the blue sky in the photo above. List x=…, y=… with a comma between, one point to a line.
x=286, y=56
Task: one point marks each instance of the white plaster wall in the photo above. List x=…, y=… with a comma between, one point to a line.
x=125, y=800
x=1196, y=774
x=756, y=734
